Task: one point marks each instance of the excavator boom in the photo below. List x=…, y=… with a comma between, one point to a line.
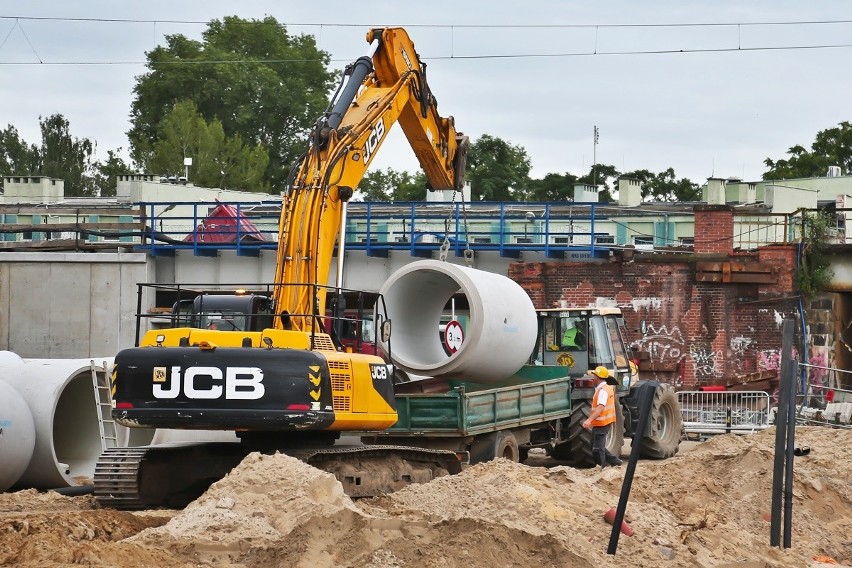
x=383, y=88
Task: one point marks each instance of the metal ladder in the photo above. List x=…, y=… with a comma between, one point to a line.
x=103, y=403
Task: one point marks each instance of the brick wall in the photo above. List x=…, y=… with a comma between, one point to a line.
x=694, y=332
x=714, y=229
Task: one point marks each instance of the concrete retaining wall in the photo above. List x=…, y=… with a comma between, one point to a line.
x=69, y=305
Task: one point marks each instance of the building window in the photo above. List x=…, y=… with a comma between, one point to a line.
x=482, y=240
x=687, y=241
x=604, y=240
x=523, y=240
x=562, y=240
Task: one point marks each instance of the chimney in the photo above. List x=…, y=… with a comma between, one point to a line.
x=585, y=193
x=714, y=191
x=629, y=192
x=714, y=229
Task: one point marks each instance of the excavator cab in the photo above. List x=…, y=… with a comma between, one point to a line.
x=237, y=312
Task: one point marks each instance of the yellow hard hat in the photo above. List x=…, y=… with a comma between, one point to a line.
x=601, y=372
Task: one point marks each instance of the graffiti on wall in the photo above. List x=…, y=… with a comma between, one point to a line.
x=817, y=373
x=741, y=344
x=706, y=362
x=662, y=343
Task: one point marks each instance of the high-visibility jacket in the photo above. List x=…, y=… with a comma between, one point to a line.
x=608, y=414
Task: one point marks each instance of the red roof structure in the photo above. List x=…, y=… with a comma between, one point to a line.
x=225, y=224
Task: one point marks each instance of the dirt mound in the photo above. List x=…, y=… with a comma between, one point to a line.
x=705, y=507
x=46, y=529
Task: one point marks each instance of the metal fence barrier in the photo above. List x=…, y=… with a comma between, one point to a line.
x=734, y=412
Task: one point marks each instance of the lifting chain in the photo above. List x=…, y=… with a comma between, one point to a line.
x=445, y=246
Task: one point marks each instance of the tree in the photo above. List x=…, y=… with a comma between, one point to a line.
x=411, y=187
x=107, y=172
x=832, y=147
x=552, y=187
x=392, y=185
x=601, y=175
x=665, y=186
x=63, y=156
x=217, y=160
x=60, y=156
x=497, y=170
x=16, y=156
x=258, y=81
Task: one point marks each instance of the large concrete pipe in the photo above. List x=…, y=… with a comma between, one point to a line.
x=500, y=334
x=17, y=436
x=61, y=398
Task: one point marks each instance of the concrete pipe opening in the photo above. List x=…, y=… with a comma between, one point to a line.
x=500, y=330
x=17, y=436
x=61, y=398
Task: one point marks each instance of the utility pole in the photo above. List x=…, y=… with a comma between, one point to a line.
x=595, y=159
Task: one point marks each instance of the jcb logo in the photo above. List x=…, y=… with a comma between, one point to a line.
x=236, y=383
x=379, y=372
x=373, y=140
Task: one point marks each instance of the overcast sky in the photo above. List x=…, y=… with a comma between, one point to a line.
x=711, y=100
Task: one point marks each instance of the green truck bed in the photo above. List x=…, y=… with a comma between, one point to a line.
x=462, y=412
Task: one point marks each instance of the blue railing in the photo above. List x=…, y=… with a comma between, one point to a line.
x=420, y=228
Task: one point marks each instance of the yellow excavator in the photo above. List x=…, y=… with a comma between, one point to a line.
x=288, y=387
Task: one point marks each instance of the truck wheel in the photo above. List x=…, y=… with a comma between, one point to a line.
x=578, y=448
x=494, y=445
x=662, y=439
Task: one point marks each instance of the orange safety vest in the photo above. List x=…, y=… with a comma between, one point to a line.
x=608, y=414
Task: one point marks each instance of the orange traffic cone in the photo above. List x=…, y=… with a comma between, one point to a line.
x=609, y=517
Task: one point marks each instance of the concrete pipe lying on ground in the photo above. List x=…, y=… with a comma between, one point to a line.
x=17, y=435
x=500, y=334
x=61, y=398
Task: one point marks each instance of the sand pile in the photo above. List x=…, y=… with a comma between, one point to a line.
x=705, y=507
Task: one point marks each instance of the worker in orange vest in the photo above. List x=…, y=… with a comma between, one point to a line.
x=602, y=418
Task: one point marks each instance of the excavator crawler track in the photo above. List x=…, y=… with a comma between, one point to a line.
x=116, y=478
x=174, y=475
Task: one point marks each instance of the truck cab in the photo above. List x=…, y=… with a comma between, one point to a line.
x=580, y=339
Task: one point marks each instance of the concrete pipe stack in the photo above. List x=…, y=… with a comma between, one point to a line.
x=17, y=431
x=56, y=430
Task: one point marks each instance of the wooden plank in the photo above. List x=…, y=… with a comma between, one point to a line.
x=44, y=228
x=66, y=210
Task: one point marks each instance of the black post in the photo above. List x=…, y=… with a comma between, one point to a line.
x=791, y=445
x=645, y=400
x=780, y=437
x=728, y=420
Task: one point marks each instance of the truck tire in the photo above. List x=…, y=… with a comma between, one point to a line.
x=662, y=439
x=487, y=447
x=578, y=447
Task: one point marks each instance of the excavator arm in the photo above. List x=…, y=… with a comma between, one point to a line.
x=382, y=88
x=290, y=388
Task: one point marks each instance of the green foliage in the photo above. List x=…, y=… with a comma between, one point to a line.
x=603, y=176
x=107, y=173
x=832, y=147
x=217, y=160
x=260, y=83
x=815, y=272
x=60, y=155
x=497, y=170
x=552, y=187
x=16, y=156
x=392, y=185
x=665, y=186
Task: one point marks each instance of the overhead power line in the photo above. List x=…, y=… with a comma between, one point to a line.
x=447, y=26
x=447, y=57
